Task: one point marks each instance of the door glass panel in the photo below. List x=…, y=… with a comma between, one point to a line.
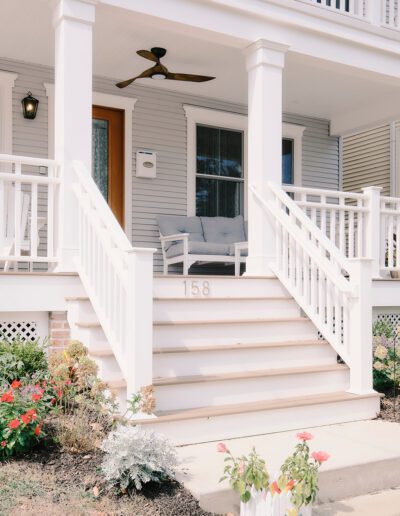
x=100, y=155
x=287, y=162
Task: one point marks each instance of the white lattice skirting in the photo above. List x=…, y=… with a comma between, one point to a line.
x=26, y=330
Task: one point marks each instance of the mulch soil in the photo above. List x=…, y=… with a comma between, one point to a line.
x=52, y=482
x=390, y=408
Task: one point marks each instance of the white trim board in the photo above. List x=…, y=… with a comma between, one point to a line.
x=7, y=81
x=198, y=115
x=126, y=104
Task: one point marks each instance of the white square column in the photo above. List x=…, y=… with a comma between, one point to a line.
x=73, y=20
x=264, y=63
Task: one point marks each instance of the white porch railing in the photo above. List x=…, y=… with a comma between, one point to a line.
x=29, y=189
x=341, y=216
x=389, y=233
x=118, y=280
x=382, y=13
x=334, y=291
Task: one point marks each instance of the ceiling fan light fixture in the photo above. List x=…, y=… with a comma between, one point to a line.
x=159, y=76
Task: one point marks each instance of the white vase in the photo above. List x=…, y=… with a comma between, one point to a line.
x=264, y=504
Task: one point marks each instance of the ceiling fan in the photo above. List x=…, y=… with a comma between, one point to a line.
x=159, y=71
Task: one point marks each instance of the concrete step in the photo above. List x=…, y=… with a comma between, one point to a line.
x=248, y=386
x=216, y=286
x=209, y=308
x=219, y=359
x=193, y=333
x=266, y=416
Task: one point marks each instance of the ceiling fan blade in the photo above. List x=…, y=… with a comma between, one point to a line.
x=188, y=77
x=147, y=55
x=146, y=73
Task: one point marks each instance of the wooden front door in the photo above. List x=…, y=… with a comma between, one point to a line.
x=108, y=157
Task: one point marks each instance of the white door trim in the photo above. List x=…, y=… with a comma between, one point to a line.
x=126, y=104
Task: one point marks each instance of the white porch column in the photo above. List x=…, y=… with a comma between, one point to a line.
x=73, y=22
x=265, y=62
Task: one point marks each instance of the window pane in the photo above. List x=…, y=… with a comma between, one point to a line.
x=231, y=153
x=218, y=198
x=100, y=155
x=208, y=161
x=287, y=162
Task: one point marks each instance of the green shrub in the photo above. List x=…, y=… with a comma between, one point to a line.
x=386, y=358
x=21, y=359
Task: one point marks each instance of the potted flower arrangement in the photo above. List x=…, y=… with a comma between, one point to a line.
x=291, y=493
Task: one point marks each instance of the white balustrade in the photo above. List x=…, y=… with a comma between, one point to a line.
x=354, y=8
x=118, y=280
x=390, y=14
x=390, y=233
x=341, y=216
x=29, y=190
x=324, y=282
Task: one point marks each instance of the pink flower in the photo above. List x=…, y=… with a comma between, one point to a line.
x=221, y=447
x=241, y=468
x=305, y=436
x=320, y=456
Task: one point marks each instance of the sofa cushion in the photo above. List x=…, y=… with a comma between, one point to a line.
x=206, y=248
x=175, y=224
x=223, y=229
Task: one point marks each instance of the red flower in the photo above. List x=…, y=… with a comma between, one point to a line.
x=16, y=384
x=13, y=424
x=31, y=414
x=275, y=488
x=25, y=419
x=290, y=485
x=305, y=436
x=7, y=397
x=320, y=456
x=3, y=444
x=37, y=430
x=53, y=401
x=36, y=397
x=221, y=447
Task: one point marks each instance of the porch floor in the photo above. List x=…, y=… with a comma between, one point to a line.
x=365, y=458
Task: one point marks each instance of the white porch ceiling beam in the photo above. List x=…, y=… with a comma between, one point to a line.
x=307, y=31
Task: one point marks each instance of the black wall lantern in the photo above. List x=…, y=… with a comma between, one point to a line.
x=29, y=106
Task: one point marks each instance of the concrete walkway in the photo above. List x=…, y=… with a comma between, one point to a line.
x=365, y=458
x=385, y=503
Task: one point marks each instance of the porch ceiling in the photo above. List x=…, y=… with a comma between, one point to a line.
x=311, y=86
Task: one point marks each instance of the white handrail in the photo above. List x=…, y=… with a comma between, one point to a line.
x=118, y=279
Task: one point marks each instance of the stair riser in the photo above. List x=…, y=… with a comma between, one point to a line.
x=92, y=338
x=225, y=392
x=204, y=286
x=80, y=311
x=230, y=309
x=227, y=333
x=108, y=368
x=194, y=431
x=218, y=362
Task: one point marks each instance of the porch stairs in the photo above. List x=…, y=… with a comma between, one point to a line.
x=232, y=357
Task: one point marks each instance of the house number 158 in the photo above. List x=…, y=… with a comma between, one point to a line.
x=197, y=288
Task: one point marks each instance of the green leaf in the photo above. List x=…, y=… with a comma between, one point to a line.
x=245, y=496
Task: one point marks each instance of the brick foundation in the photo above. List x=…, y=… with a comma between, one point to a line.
x=59, y=331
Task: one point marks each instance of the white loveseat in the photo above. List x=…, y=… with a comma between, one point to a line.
x=189, y=240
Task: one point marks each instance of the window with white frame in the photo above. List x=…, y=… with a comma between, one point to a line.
x=219, y=171
x=217, y=157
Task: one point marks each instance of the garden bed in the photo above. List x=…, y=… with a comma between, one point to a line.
x=390, y=409
x=52, y=482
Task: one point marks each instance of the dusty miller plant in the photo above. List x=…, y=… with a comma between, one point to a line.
x=134, y=457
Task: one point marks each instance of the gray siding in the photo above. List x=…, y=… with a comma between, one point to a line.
x=159, y=123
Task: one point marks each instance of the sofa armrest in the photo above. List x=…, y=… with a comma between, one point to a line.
x=239, y=246
x=173, y=238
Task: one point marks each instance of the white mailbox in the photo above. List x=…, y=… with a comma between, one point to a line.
x=146, y=164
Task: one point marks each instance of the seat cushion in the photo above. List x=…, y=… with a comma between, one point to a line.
x=223, y=229
x=206, y=248
x=175, y=224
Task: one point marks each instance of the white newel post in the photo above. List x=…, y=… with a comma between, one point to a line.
x=264, y=62
x=73, y=20
x=360, y=327
x=373, y=228
x=375, y=10
x=139, y=318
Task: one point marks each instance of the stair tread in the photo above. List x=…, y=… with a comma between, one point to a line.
x=88, y=324
x=254, y=406
x=239, y=346
x=232, y=321
x=174, y=380
x=225, y=298
x=77, y=298
x=105, y=352
x=177, y=380
x=213, y=276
